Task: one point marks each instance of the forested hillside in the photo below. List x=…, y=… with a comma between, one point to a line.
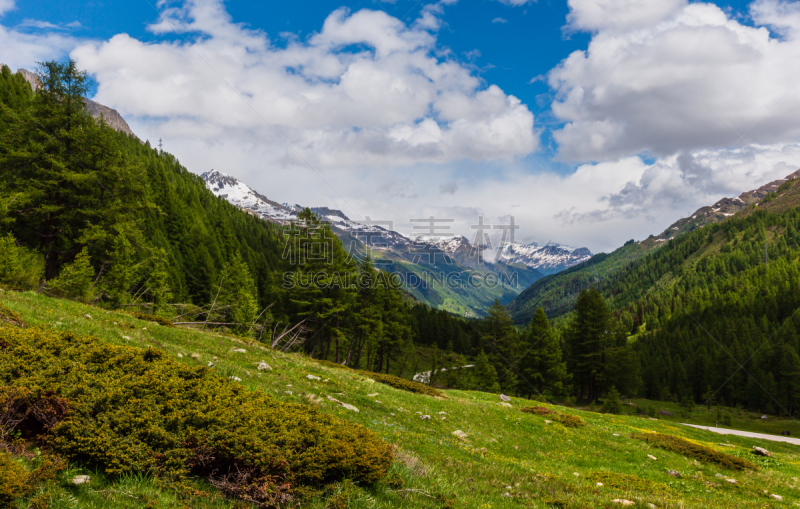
x=711, y=313
x=95, y=215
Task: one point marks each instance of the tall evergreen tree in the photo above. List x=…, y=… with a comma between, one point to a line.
x=589, y=335
x=542, y=364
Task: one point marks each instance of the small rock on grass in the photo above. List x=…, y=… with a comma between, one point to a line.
x=180, y=356
x=674, y=473
x=760, y=451
x=312, y=377
x=503, y=403
x=777, y=497
x=460, y=434
x=652, y=457
x=505, y=398
x=425, y=417
x=88, y=316
x=81, y=479
x=195, y=356
x=372, y=395
x=599, y=485
x=235, y=378
x=345, y=405
x=263, y=366
x=622, y=501
x=238, y=350
x=732, y=481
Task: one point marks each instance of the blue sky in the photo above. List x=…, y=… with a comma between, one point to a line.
x=451, y=107
x=508, y=45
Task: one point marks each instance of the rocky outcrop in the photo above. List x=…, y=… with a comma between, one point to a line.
x=111, y=116
x=97, y=110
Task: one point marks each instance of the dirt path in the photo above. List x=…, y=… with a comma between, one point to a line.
x=760, y=436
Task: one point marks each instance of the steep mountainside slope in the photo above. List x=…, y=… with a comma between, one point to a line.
x=557, y=293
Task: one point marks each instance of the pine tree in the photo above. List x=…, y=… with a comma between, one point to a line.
x=500, y=338
x=588, y=336
x=485, y=376
x=75, y=279
x=542, y=364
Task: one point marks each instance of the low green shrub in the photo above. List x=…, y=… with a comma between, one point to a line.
x=391, y=380
x=626, y=482
x=129, y=410
x=696, y=451
x=151, y=318
x=571, y=421
x=13, y=480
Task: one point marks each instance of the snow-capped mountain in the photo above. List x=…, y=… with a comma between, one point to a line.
x=548, y=259
x=239, y=194
x=451, y=245
x=243, y=196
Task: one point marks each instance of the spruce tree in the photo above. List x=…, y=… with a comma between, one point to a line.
x=485, y=376
x=588, y=337
x=542, y=364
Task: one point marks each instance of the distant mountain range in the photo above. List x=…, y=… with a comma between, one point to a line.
x=548, y=259
x=420, y=257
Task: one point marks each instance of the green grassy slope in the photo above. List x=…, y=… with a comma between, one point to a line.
x=508, y=459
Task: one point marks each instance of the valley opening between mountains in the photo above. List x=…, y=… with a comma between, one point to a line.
x=175, y=340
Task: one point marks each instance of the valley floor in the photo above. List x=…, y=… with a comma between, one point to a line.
x=506, y=458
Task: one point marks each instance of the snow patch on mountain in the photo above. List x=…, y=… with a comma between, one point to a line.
x=239, y=194
x=550, y=258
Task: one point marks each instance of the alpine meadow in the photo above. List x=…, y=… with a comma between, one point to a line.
x=323, y=256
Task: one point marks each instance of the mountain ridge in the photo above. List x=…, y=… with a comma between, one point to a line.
x=548, y=259
x=556, y=293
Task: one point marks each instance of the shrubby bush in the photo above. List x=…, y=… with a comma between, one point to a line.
x=151, y=318
x=124, y=410
x=13, y=480
x=696, y=451
x=571, y=421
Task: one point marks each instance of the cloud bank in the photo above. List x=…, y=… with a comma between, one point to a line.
x=367, y=90
x=670, y=76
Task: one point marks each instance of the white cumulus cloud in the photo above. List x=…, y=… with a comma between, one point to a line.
x=670, y=76
x=367, y=90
